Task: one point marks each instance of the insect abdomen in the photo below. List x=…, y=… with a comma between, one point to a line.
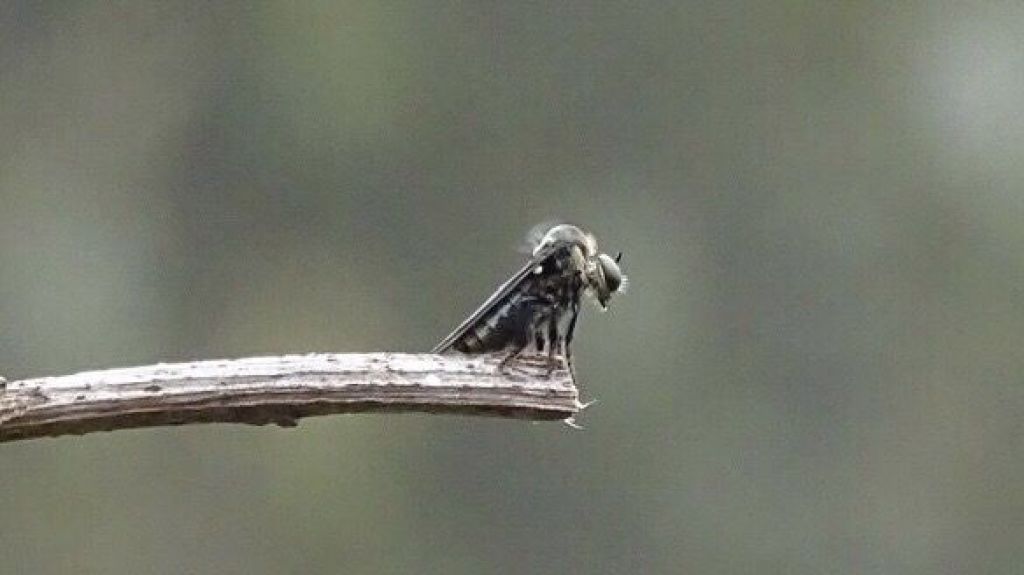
x=511, y=325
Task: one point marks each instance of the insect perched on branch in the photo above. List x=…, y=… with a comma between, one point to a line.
x=538, y=306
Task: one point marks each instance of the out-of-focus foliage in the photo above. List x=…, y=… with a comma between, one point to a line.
x=818, y=368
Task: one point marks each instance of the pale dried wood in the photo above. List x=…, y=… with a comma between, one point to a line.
x=281, y=390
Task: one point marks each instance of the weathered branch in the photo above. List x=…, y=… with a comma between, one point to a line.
x=280, y=390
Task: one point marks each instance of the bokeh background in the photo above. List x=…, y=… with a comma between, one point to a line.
x=818, y=368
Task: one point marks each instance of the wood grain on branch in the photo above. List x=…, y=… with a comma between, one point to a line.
x=280, y=390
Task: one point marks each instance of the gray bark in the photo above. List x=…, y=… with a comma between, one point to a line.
x=281, y=390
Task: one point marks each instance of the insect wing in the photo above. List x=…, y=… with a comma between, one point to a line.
x=494, y=303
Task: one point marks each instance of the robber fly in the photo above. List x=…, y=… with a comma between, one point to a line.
x=539, y=305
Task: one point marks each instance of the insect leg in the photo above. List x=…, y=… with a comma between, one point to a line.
x=554, y=342
x=521, y=325
x=574, y=309
x=569, y=332
x=518, y=349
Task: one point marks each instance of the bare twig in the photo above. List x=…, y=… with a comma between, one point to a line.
x=280, y=390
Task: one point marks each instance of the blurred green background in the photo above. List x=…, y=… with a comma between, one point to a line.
x=818, y=367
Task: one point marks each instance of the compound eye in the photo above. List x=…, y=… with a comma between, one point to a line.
x=611, y=271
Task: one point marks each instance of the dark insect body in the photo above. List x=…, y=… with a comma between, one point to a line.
x=539, y=305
